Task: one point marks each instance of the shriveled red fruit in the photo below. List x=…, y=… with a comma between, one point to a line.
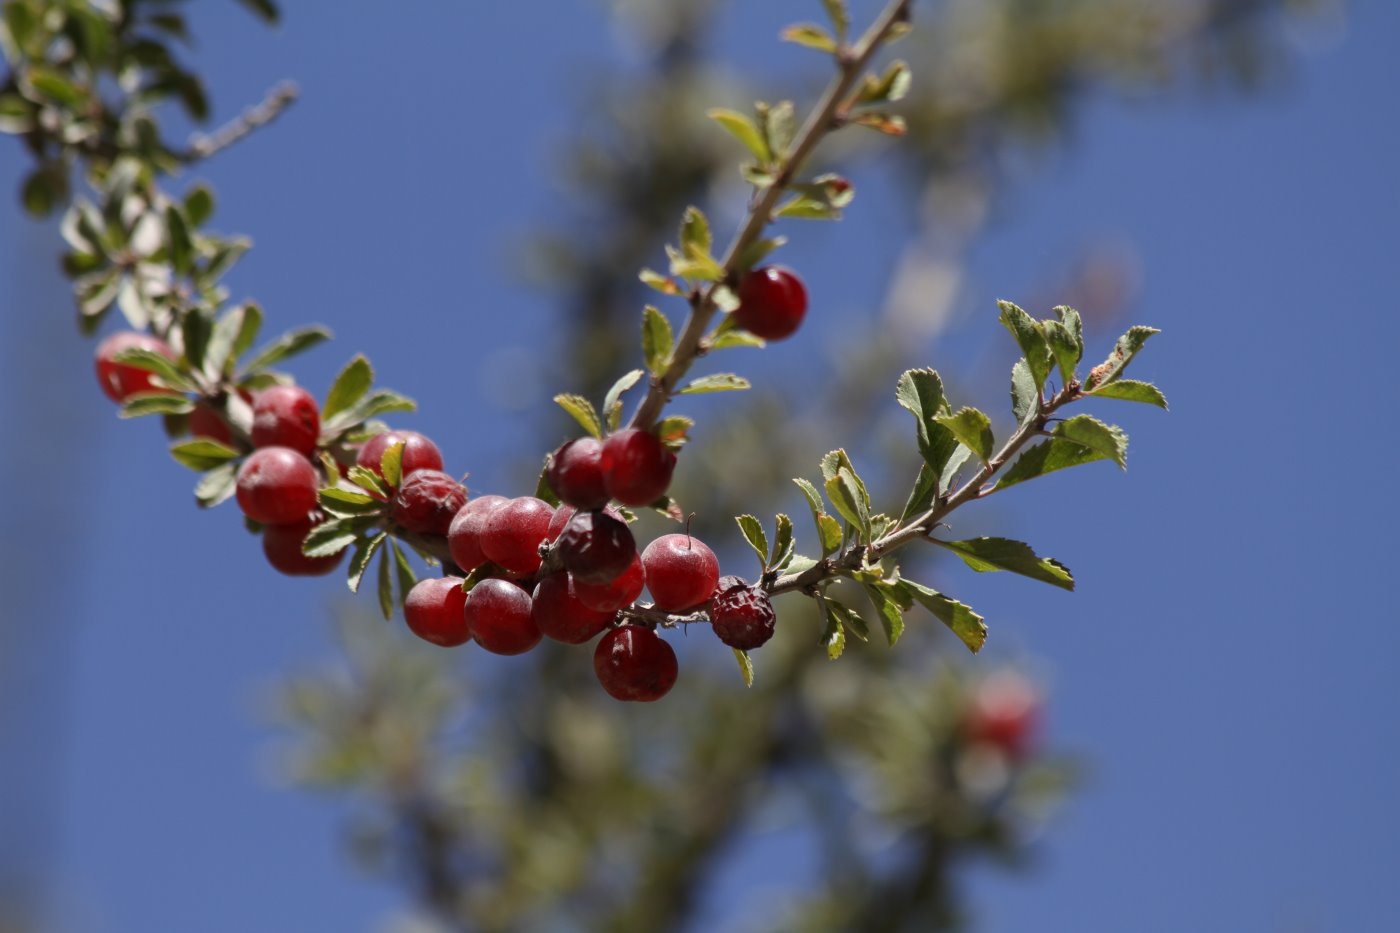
x=637, y=467
x=513, y=533
x=681, y=571
x=464, y=534
x=434, y=611
x=120, y=381
x=282, y=547
x=618, y=592
x=276, y=486
x=1004, y=713
x=772, y=303
x=419, y=453
x=559, y=614
x=633, y=663
x=742, y=616
x=498, y=615
x=286, y=416
x=206, y=422
x=428, y=501
x=595, y=547
x=576, y=473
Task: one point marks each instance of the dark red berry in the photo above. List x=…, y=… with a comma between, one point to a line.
x=286, y=416
x=772, y=303
x=743, y=617
x=513, y=533
x=621, y=591
x=282, y=546
x=633, y=663
x=435, y=611
x=560, y=615
x=206, y=422
x=595, y=547
x=557, y=524
x=120, y=381
x=464, y=534
x=498, y=615
x=428, y=501
x=276, y=486
x=419, y=453
x=681, y=572
x=637, y=467
x=576, y=473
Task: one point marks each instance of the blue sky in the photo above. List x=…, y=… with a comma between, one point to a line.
x=1226, y=663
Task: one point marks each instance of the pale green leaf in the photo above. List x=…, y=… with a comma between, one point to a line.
x=989, y=554
x=1081, y=439
x=973, y=428
x=743, y=129
x=718, y=382
x=657, y=340
x=1030, y=337
x=752, y=530
x=1130, y=390
x=582, y=411
x=968, y=626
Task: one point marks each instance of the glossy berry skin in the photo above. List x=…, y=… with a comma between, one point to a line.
x=637, y=467
x=634, y=663
x=428, y=501
x=595, y=547
x=205, y=422
x=434, y=610
x=559, y=614
x=464, y=534
x=576, y=473
x=617, y=593
x=513, y=533
x=286, y=416
x=277, y=486
x=282, y=547
x=681, y=572
x=742, y=616
x=772, y=303
x=419, y=453
x=559, y=522
x=120, y=381
x=498, y=614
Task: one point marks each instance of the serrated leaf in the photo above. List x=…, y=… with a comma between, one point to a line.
x=782, y=541
x=743, y=129
x=289, y=344
x=805, y=208
x=736, y=338
x=814, y=498
x=851, y=621
x=672, y=429
x=657, y=340
x=752, y=530
x=921, y=496
x=1063, y=348
x=832, y=464
x=800, y=563
x=990, y=554
x=970, y=627
x=347, y=501
x=662, y=283
x=920, y=391
x=391, y=464
x=891, y=617
x=745, y=666
x=695, y=237
x=1130, y=390
x=156, y=403
x=349, y=387
x=328, y=538
x=1025, y=397
x=612, y=402
x=950, y=470
x=779, y=125
x=834, y=636
x=368, y=480
x=973, y=428
x=694, y=269
x=403, y=571
x=202, y=454
x=840, y=16
x=1124, y=350
x=829, y=531
x=378, y=402
x=582, y=411
x=844, y=491
x=1081, y=439
x=1030, y=337
x=217, y=485
x=359, y=561
x=893, y=85
x=718, y=382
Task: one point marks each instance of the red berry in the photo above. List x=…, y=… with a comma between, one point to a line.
x=282, y=546
x=772, y=303
x=464, y=534
x=498, y=615
x=286, y=416
x=633, y=663
x=637, y=467
x=595, y=547
x=1003, y=713
x=419, y=453
x=560, y=615
x=513, y=533
x=576, y=473
x=206, y=422
x=681, y=572
x=276, y=486
x=621, y=591
x=559, y=521
x=122, y=380
x=743, y=616
x=435, y=611
x=427, y=502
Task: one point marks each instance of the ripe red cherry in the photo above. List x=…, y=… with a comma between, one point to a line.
x=621, y=591
x=595, y=547
x=681, y=572
x=557, y=524
x=637, y=467
x=742, y=615
x=464, y=534
x=286, y=416
x=772, y=303
x=206, y=422
x=1004, y=713
x=513, y=533
x=120, y=381
x=428, y=501
x=419, y=453
x=498, y=615
x=434, y=610
x=576, y=473
x=558, y=612
x=633, y=663
x=276, y=486
x=282, y=547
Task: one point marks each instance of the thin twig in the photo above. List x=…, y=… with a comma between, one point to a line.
x=272, y=106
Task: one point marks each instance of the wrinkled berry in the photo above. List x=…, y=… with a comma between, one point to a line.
x=427, y=502
x=743, y=617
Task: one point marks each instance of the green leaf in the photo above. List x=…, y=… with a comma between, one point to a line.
x=218, y=356
x=196, y=326
x=805, y=208
x=1025, y=397
x=248, y=328
x=1130, y=390
x=359, y=561
x=840, y=16
x=202, y=454
x=745, y=666
x=612, y=402
x=920, y=391
x=832, y=464
x=921, y=496
x=672, y=429
x=829, y=532
x=1073, y=325
x=759, y=251
x=403, y=571
x=159, y=365
x=810, y=35
x=718, y=382
x=582, y=411
x=349, y=387
x=891, y=617
x=55, y=86
x=16, y=114
x=368, y=480
x=989, y=554
x=960, y=619
x=348, y=502
x=1063, y=348
x=891, y=124
x=156, y=403
x=736, y=338
x=217, y=485
x=662, y=283
x=892, y=86
x=834, y=636
x=289, y=344
x=742, y=129
x=178, y=241
x=852, y=622
x=779, y=125
x=328, y=538
x=265, y=10
x=391, y=463
x=199, y=205
x=695, y=237
x=379, y=402
x=386, y=587
x=752, y=530
x=657, y=340
x=973, y=429
x=702, y=269
x=845, y=493
x=1123, y=352
x=1030, y=337
x=1081, y=439
x=782, y=542
x=542, y=488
